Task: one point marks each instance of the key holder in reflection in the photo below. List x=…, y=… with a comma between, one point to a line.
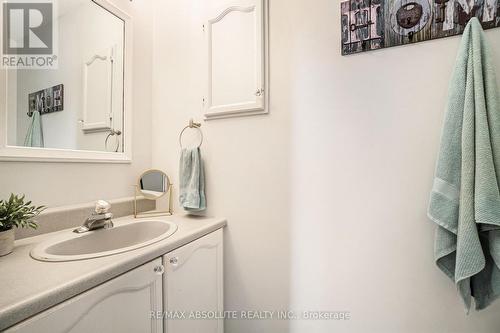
x=166, y=192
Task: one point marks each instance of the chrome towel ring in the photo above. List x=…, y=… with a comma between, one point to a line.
x=193, y=125
x=113, y=133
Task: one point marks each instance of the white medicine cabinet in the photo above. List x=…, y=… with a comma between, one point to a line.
x=237, y=60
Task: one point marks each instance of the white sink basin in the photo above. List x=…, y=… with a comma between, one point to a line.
x=70, y=246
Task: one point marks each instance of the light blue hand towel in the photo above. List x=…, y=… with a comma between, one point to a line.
x=465, y=199
x=192, y=181
x=34, y=136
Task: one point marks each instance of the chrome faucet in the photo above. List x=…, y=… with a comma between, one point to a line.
x=99, y=219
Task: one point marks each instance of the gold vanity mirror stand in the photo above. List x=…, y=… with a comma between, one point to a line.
x=153, y=184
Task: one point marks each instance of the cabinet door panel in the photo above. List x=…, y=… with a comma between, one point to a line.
x=121, y=305
x=236, y=60
x=194, y=284
x=98, y=91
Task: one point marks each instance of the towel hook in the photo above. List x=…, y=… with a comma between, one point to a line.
x=193, y=125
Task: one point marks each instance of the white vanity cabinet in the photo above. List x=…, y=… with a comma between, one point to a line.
x=193, y=287
x=122, y=305
x=187, y=280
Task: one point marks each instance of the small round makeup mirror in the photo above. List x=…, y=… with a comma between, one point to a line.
x=153, y=184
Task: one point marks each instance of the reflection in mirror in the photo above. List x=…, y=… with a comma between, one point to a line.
x=80, y=105
x=154, y=184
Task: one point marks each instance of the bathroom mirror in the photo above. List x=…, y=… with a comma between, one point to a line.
x=152, y=185
x=78, y=110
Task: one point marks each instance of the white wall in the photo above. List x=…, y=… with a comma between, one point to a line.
x=12, y=105
x=326, y=197
x=56, y=184
x=366, y=131
x=246, y=161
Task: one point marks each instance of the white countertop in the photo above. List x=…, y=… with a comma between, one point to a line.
x=28, y=286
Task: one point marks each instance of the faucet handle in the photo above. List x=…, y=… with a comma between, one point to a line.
x=102, y=207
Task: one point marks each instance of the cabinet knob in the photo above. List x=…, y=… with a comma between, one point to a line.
x=174, y=261
x=159, y=270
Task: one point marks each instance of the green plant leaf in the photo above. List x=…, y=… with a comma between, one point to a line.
x=16, y=213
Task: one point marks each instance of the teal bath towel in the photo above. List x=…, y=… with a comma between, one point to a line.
x=34, y=136
x=192, y=181
x=465, y=199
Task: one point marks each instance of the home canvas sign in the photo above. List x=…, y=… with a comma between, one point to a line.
x=47, y=100
x=375, y=24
